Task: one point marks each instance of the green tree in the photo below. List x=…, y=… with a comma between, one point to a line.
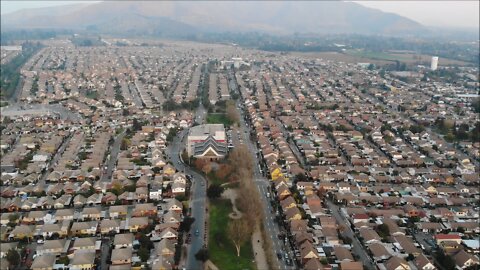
x=214, y=191
x=202, y=255
x=13, y=257
x=143, y=253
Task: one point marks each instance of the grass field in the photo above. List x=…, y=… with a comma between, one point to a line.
x=379, y=58
x=218, y=118
x=221, y=249
x=376, y=55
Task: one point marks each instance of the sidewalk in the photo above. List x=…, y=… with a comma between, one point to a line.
x=259, y=252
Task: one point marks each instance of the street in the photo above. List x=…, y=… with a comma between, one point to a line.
x=111, y=163
x=357, y=247
x=197, y=193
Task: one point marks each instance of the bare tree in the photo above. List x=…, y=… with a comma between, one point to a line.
x=232, y=112
x=241, y=158
x=207, y=168
x=239, y=231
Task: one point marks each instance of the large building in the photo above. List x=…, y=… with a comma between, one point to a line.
x=434, y=64
x=207, y=141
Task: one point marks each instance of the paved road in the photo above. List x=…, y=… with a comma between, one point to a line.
x=197, y=195
x=57, y=155
x=111, y=163
x=357, y=247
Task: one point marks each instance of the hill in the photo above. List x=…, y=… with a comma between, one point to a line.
x=184, y=18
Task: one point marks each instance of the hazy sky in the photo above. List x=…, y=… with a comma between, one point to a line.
x=433, y=13
x=430, y=13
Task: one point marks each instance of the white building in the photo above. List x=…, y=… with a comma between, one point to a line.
x=434, y=64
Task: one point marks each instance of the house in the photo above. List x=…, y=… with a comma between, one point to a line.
x=360, y=218
x=169, y=233
x=172, y=217
x=43, y=262
x=118, y=211
x=379, y=252
x=169, y=170
x=174, y=205
x=307, y=252
x=465, y=260
x=313, y=264
x=91, y=213
x=144, y=209
x=423, y=263
x=21, y=232
x=47, y=230
x=64, y=214
x=288, y=202
x=393, y=227
x=123, y=240
x=87, y=243
x=137, y=223
x=82, y=260
x=293, y=213
x=122, y=256
x=84, y=228
x=342, y=254
x=351, y=266
x=397, y=263
x=407, y=245
x=178, y=188
x=283, y=192
x=54, y=247
x=448, y=237
x=369, y=236
x=155, y=192
x=165, y=248
x=109, y=226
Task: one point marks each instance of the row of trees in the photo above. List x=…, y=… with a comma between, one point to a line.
x=248, y=199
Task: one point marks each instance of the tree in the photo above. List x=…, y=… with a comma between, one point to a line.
x=232, y=113
x=214, y=191
x=145, y=241
x=13, y=218
x=347, y=240
x=239, y=231
x=383, y=230
x=186, y=224
x=143, y=253
x=136, y=125
x=301, y=177
x=202, y=255
x=13, y=257
x=207, y=168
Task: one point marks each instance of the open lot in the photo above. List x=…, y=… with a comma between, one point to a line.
x=379, y=58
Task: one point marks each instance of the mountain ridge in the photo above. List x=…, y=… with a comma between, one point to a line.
x=323, y=17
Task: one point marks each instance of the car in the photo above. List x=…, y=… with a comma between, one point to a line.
x=197, y=232
x=289, y=262
x=279, y=255
x=40, y=241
